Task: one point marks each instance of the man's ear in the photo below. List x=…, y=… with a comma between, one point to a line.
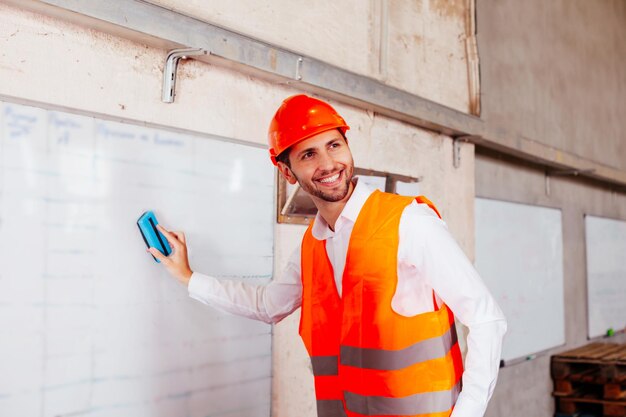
x=285, y=171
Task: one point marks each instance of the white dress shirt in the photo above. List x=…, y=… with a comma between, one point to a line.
x=428, y=259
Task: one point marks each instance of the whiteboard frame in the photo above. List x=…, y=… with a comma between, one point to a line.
x=129, y=121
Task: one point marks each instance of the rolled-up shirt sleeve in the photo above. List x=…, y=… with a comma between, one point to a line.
x=269, y=302
x=444, y=266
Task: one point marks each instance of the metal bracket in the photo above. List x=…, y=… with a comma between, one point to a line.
x=169, y=72
x=456, y=149
x=299, y=68
x=564, y=173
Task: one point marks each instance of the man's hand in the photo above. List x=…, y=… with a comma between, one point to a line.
x=177, y=263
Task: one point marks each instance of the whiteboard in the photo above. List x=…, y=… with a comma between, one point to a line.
x=606, y=274
x=90, y=325
x=519, y=255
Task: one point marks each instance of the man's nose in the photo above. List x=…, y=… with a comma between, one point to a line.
x=326, y=161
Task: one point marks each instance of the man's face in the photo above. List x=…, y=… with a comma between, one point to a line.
x=322, y=165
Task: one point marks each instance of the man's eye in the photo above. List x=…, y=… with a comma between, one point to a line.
x=307, y=155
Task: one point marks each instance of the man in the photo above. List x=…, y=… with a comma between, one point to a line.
x=377, y=276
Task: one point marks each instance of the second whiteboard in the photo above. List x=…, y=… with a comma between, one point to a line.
x=519, y=254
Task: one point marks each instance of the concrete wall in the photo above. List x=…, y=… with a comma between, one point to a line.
x=553, y=71
x=525, y=389
x=417, y=46
x=52, y=62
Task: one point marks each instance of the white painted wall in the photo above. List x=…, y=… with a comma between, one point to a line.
x=49, y=61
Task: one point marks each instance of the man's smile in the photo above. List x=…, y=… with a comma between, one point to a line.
x=330, y=180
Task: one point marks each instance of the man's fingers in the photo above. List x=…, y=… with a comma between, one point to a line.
x=157, y=254
x=171, y=238
x=180, y=236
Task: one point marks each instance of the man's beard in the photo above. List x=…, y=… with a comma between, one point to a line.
x=330, y=197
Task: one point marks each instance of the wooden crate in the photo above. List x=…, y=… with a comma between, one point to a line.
x=591, y=380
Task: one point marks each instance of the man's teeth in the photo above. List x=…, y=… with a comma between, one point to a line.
x=330, y=179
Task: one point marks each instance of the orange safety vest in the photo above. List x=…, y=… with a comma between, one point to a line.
x=367, y=359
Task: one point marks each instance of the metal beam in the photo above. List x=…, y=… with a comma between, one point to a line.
x=163, y=28
x=550, y=157
x=167, y=29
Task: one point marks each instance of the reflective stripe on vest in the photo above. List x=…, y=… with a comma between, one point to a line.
x=367, y=359
x=386, y=360
x=330, y=408
x=389, y=360
x=423, y=403
x=325, y=365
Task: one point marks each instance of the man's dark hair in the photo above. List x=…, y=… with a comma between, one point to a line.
x=284, y=157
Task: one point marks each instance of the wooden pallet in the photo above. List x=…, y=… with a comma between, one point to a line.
x=608, y=391
x=596, y=362
x=579, y=414
x=591, y=380
x=606, y=408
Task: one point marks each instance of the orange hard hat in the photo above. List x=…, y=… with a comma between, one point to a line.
x=299, y=117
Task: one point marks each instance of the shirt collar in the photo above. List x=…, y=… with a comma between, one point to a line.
x=349, y=214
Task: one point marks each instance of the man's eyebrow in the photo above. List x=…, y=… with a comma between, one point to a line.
x=302, y=152
x=313, y=149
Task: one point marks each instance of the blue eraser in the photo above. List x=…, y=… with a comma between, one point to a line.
x=151, y=235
